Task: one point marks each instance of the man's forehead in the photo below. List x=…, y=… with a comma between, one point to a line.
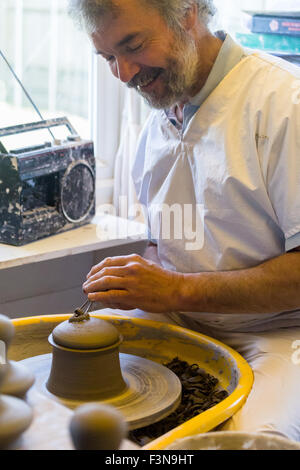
x=124, y=4
x=117, y=8
x=129, y=11
x=116, y=29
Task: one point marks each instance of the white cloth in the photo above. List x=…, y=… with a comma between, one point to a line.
x=273, y=404
x=238, y=162
x=131, y=126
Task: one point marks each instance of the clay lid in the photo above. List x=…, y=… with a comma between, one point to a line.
x=93, y=333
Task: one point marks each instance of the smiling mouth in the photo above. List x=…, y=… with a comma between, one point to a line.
x=146, y=84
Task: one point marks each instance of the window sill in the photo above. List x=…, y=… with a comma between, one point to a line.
x=105, y=231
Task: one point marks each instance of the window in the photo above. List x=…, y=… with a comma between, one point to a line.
x=51, y=58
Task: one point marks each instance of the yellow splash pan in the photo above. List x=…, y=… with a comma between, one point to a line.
x=159, y=342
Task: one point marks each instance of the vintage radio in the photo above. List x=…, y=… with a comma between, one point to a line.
x=45, y=188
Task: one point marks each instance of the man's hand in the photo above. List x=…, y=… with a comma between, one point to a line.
x=129, y=282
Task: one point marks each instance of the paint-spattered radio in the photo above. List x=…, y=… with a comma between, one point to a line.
x=45, y=189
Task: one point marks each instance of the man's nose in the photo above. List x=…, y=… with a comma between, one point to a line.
x=125, y=70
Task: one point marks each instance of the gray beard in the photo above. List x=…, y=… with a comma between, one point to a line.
x=172, y=94
x=178, y=78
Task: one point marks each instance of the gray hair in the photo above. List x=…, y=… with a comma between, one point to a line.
x=87, y=13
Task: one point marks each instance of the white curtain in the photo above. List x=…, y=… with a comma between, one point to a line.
x=117, y=115
x=132, y=119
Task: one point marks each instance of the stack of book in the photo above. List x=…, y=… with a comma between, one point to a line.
x=274, y=32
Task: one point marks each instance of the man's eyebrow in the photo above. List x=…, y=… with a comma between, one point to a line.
x=127, y=39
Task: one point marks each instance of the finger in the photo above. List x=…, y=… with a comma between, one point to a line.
x=104, y=284
x=114, y=261
x=108, y=262
x=108, y=271
x=110, y=298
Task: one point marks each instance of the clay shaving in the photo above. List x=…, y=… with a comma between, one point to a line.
x=200, y=391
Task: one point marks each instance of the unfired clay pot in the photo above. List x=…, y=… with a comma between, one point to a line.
x=96, y=426
x=15, y=418
x=16, y=379
x=85, y=363
x=15, y=414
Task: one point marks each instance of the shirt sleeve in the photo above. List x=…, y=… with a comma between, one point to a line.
x=280, y=146
x=293, y=242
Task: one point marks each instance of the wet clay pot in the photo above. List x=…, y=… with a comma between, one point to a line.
x=15, y=379
x=15, y=414
x=85, y=363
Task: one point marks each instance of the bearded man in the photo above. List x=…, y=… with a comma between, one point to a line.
x=222, y=140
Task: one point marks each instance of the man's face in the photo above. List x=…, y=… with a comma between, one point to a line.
x=145, y=54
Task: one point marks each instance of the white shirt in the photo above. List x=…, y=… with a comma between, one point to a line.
x=238, y=162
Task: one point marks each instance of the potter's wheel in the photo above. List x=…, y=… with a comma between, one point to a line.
x=153, y=391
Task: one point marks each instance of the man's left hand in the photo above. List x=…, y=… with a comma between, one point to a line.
x=129, y=282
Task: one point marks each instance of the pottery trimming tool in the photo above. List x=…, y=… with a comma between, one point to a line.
x=82, y=313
